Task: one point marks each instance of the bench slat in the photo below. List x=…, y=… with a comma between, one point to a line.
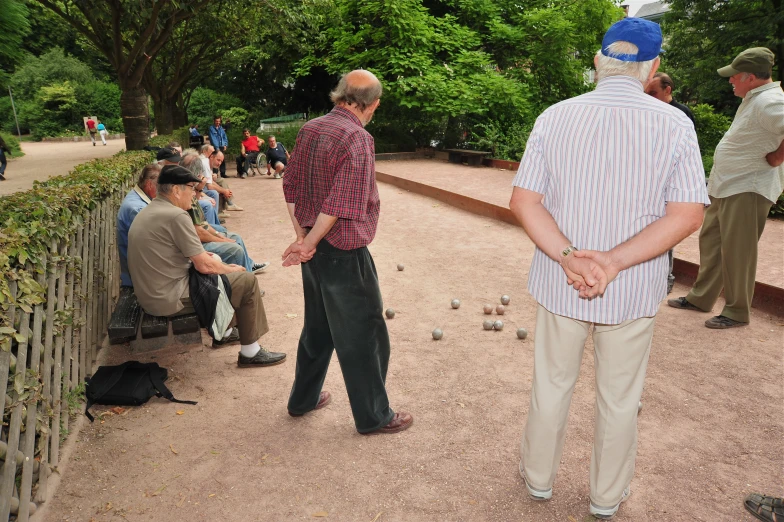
x=154, y=326
x=183, y=324
x=125, y=318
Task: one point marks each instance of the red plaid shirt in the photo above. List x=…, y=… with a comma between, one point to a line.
x=333, y=171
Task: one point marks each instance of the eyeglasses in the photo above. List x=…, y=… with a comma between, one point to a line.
x=192, y=187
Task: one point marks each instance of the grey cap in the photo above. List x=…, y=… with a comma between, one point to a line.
x=754, y=60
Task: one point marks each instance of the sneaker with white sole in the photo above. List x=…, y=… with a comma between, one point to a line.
x=535, y=494
x=259, y=267
x=277, y=176
x=234, y=207
x=606, y=513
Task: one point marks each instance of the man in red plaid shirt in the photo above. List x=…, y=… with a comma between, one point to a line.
x=330, y=189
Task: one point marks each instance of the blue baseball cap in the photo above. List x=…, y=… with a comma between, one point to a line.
x=644, y=34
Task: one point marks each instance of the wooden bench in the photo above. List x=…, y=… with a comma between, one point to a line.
x=469, y=157
x=145, y=332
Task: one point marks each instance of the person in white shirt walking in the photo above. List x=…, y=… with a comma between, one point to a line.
x=618, y=175
x=746, y=180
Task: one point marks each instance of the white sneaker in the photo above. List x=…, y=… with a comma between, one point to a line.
x=607, y=513
x=234, y=207
x=535, y=494
x=277, y=176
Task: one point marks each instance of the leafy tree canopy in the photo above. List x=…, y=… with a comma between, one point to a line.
x=704, y=35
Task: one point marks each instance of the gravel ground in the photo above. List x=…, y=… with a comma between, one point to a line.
x=710, y=431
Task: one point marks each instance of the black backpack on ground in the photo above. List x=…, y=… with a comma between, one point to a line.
x=129, y=384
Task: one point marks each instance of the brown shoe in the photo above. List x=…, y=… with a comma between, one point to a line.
x=721, y=322
x=401, y=421
x=324, y=398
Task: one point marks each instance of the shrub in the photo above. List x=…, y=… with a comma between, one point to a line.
x=13, y=144
x=710, y=126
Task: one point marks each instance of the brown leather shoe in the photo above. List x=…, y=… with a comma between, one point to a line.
x=401, y=421
x=324, y=398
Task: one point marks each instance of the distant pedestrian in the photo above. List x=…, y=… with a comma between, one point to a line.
x=746, y=180
x=661, y=88
x=102, y=131
x=3, y=161
x=91, y=125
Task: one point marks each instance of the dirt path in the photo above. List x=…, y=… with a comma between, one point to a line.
x=42, y=160
x=710, y=431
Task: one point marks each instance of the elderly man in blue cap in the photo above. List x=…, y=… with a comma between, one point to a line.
x=609, y=182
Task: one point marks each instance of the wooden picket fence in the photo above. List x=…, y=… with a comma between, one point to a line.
x=55, y=350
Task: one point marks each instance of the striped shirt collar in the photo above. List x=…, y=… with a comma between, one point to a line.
x=620, y=83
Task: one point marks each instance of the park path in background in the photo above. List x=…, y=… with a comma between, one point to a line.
x=42, y=160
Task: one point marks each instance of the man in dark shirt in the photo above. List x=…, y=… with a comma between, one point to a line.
x=277, y=157
x=660, y=87
x=331, y=193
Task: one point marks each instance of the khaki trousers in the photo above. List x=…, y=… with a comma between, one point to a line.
x=224, y=201
x=728, y=253
x=248, y=306
x=620, y=358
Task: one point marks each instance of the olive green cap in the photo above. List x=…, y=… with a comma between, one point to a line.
x=754, y=60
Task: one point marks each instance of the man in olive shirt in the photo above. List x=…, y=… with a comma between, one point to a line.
x=746, y=179
x=162, y=244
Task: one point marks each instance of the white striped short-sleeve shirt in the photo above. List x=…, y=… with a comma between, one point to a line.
x=607, y=163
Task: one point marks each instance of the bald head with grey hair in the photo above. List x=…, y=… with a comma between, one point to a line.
x=360, y=88
x=191, y=161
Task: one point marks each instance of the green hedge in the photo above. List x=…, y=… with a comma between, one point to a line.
x=52, y=210
x=13, y=144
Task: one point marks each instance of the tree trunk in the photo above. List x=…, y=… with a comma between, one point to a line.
x=136, y=117
x=163, y=115
x=180, y=115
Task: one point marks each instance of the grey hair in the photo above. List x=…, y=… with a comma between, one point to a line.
x=609, y=66
x=192, y=162
x=363, y=96
x=761, y=75
x=149, y=173
x=206, y=147
x=165, y=188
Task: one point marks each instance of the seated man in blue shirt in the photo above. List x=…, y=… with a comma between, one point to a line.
x=139, y=197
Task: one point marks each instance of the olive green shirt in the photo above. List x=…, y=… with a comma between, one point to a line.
x=161, y=242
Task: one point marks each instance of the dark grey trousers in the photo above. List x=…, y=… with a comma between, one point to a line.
x=343, y=312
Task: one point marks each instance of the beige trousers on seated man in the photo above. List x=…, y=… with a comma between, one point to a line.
x=621, y=359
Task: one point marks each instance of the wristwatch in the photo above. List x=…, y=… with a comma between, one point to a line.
x=568, y=250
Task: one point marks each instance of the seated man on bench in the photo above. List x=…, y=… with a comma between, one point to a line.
x=139, y=197
x=162, y=246
x=216, y=239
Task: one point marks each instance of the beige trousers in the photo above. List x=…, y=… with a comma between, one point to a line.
x=620, y=358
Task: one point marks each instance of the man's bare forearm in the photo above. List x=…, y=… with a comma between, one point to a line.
x=538, y=223
x=321, y=227
x=776, y=157
x=681, y=220
x=297, y=228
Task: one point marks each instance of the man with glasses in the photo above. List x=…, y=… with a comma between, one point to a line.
x=163, y=245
